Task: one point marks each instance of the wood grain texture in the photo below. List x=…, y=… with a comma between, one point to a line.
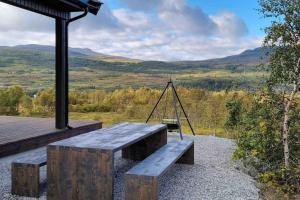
x=25, y=180
x=76, y=173
x=158, y=162
x=114, y=138
x=18, y=134
x=141, y=182
x=82, y=167
x=36, y=158
x=144, y=148
x=188, y=157
x=141, y=187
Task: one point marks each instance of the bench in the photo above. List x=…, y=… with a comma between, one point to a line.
x=141, y=182
x=25, y=174
x=83, y=166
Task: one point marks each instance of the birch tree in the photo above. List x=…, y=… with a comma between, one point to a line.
x=283, y=42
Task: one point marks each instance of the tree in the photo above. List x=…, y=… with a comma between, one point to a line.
x=283, y=42
x=234, y=108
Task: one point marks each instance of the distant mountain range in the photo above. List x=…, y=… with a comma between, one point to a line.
x=248, y=58
x=45, y=48
x=43, y=56
x=33, y=67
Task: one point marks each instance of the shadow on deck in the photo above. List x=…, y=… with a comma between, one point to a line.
x=18, y=134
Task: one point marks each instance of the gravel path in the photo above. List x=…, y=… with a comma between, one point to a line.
x=213, y=177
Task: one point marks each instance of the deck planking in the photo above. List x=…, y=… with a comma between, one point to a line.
x=19, y=134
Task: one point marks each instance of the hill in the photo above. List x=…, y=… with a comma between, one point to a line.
x=91, y=69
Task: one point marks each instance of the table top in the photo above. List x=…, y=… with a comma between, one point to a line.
x=114, y=138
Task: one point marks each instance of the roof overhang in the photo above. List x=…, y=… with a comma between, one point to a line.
x=57, y=8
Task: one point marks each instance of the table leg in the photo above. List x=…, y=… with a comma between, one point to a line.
x=145, y=147
x=78, y=173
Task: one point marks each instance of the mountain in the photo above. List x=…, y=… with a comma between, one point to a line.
x=51, y=49
x=33, y=66
x=247, y=58
x=43, y=56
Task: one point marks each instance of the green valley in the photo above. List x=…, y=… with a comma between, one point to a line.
x=32, y=67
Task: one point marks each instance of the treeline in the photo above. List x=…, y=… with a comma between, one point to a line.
x=253, y=119
x=206, y=109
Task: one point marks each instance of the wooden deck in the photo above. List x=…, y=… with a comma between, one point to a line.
x=19, y=134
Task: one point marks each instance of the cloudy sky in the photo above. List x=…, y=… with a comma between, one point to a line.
x=149, y=29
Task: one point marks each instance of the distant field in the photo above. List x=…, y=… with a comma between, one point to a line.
x=85, y=78
x=32, y=67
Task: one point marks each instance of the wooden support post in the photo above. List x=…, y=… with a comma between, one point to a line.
x=141, y=187
x=61, y=86
x=84, y=174
x=145, y=147
x=187, y=157
x=25, y=180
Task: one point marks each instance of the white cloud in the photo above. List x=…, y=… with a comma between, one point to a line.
x=17, y=19
x=130, y=19
x=229, y=25
x=187, y=20
x=150, y=30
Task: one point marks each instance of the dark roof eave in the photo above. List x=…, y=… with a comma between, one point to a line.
x=79, y=5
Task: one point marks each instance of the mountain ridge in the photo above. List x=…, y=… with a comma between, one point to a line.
x=246, y=57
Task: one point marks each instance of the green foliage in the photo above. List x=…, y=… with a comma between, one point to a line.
x=260, y=141
x=33, y=68
x=10, y=99
x=283, y=38
x=45, y=101
x=234, y=107
x=206, y=109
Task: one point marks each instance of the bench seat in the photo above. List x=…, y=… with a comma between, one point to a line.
x=25, y=174
x=83, y=166
x=141, y=182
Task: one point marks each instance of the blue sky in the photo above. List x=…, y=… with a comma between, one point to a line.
x=245, y=9
x=149, y=30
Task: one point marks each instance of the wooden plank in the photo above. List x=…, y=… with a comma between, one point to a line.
x=38, y=159
x=77, y=173
x=18, y=134
x=82, y=167
x=114, y=138
x=157, y=163
x=141, y=188
x=187, y=157
x=145, y=147
x=25, y=180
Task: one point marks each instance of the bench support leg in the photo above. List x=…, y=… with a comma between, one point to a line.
x=76, y=173
x=25, y=180
x=141, y=188
x=187, y=157
x=144, y=148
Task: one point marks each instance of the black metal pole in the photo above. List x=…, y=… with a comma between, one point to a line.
x=158, y=102
x=177, y=116
x=67, y=65
x=67, y=76
x=174, y=89
x=61, y=84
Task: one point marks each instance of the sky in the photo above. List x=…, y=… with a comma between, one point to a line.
x=166, y=30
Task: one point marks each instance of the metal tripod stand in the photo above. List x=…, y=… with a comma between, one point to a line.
x=175, y=100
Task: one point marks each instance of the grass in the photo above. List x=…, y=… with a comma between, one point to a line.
x=36, y=78
x=110, y=118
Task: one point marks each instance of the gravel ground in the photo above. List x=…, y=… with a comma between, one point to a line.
x=214, y=175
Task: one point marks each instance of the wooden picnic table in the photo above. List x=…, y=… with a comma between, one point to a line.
x=82, y=167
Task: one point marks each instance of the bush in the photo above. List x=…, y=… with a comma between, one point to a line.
x=260, y=144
